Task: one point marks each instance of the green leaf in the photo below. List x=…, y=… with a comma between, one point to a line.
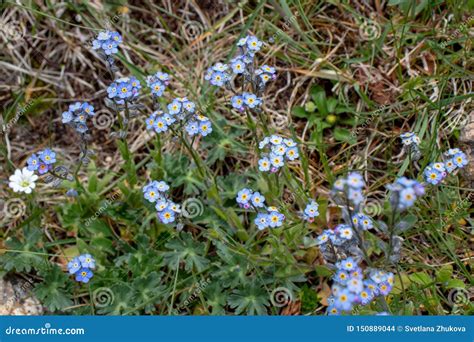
x=420, y=278
x=300, y=112
x=323, y=271
x=99, y=228
x=92, y=183
x=332, y=104
x=215, y=298
x=148, y=289
x=455, y=283
x=102, y=243
x=319, y=97
x=444, y=273
x=188, y=251
x=250, y=299
x=52, y=291
x=343, y=134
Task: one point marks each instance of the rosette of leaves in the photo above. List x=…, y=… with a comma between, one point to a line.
x=323, y=112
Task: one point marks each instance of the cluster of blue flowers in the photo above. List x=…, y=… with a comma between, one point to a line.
x=247, y=198
x=107, y=42
x=246, y=100
x=350, y=288
x=156, y=192
x=181, y=107
x=158, y=83
x=410, y=139
x=81, y=267
x=266, y=73
x=342, y=236
x=183, y=110
x=248, y=46
x=404, y=193
x=351, y=186
x=200, y=124
x=159, y=121
x=77, y=115
x=266, y=216
x=435, y=172
x=281, y=149
x=124, y=89
x=344, y=247
x=42, y=162
x=220, y=74
x=411, y=143
x=362, y=222
x=311, y=211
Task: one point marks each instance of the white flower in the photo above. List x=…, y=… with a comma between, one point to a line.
x=23, y=181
